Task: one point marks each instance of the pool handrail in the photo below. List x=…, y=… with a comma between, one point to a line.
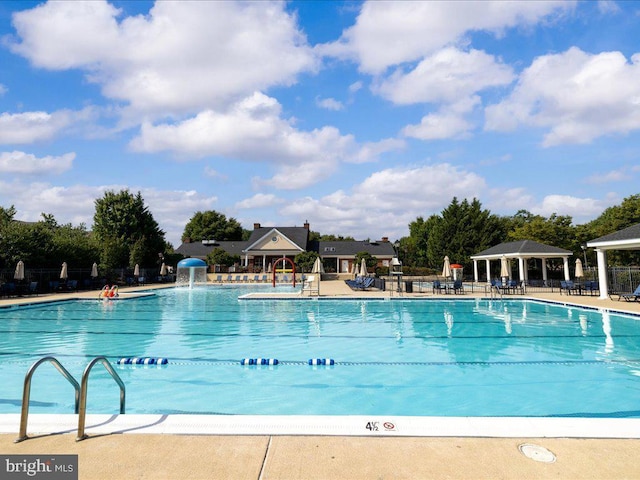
x=26, y=392
x=83, y=392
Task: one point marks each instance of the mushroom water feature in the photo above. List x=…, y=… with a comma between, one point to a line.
x=191, y=271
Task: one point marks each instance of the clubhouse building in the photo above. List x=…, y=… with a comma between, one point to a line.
x=267, y=244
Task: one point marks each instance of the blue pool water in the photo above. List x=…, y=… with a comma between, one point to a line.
x=468, y=357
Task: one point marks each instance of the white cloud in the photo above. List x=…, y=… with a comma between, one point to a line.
x=355, y=87
x=75, y=204
x=259, y=200
x=3, y=89
x=329, y=104
x=253, y=130
x=26, y=163
x=387, y=201
x=576, y=96
x=213, y=173
x=30, y=127
x=445, y=77
x=179, y=58
x=618, y=175
x=608, y=7
x=393, y=33
x=439, y=126
x=580, y=209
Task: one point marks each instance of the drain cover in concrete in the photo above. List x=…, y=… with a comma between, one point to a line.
x=537, y=453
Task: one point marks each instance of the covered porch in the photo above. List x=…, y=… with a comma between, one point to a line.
x=521, y=251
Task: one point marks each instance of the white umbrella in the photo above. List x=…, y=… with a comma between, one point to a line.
x=64, y=273
x=363, y=268
x=163, y=269
x=354, y=268
x=136, y=270
x=446, y=268
x=579, y=271
x=317, y=266
x=269, y=268
x=94, y=270
x=504, y=268
x=19, y=273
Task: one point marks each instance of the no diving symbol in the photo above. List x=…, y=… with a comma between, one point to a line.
x=388, y=426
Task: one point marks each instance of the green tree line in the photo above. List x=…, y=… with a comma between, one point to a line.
x=124, y=233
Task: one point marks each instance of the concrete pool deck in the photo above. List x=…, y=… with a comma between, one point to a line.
x=277, y=456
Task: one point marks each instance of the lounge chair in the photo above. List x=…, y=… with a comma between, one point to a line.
x=458, y=287
x=265, y=278
x=245, y=279
x=256, y=278
x=438, y=287
x=219, y=279
x=591, y=287
x=567, y=286
x=631, y=297
x=229, y=278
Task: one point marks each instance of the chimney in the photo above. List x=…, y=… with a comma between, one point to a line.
x=306, y=224
x=385, y=239
x=187, y=240
x=256, y=226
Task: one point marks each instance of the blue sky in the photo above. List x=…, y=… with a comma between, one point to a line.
x=355, y=116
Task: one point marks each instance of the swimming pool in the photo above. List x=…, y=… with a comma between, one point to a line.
x=469, y=357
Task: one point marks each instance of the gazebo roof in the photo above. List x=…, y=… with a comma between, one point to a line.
x=521, y=249
x=627, y=238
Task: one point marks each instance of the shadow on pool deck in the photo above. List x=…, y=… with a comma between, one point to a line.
x=137, y=456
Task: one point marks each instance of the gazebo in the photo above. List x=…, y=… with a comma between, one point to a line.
x=521, y=250
x=626, y=239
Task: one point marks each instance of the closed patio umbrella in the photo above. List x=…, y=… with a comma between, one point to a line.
x=579, y=272
x=446, y=268
x=363, y=268
x=136, y=270
x=504, y=268
x=163, y=269
x=19, y=273
x=94, y=270
x=64, y=273
x=317, y=266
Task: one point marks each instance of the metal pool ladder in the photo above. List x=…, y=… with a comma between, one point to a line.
x=80, y=392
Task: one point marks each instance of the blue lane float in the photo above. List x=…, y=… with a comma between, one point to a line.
x=322, y=361
x=259, y=361
x=143, y=361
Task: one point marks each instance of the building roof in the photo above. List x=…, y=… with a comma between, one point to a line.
x=351, y=248
x=523, y=249
x=298, y=235
x=201, y=250
x=627, y=238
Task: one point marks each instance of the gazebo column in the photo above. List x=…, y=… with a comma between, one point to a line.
x=488, y=266
x=565, y=261
x=475, y=271
x=338, y=265
x=544, y=272
x=601, y=256
x=521, y=269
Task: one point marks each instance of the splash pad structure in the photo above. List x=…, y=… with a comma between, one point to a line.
x=190, y=272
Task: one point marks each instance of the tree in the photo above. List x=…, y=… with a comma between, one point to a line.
x=212, y=225
x=370, y=260
x=462, y=230
x=122, y=224
x=305, y=261
x=220, y=257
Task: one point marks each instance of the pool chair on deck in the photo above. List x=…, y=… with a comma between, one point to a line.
x=567, y=286
x=458, y=287
x=631, y=297
x=439, y=287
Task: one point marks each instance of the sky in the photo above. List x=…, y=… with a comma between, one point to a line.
x=357, y=117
